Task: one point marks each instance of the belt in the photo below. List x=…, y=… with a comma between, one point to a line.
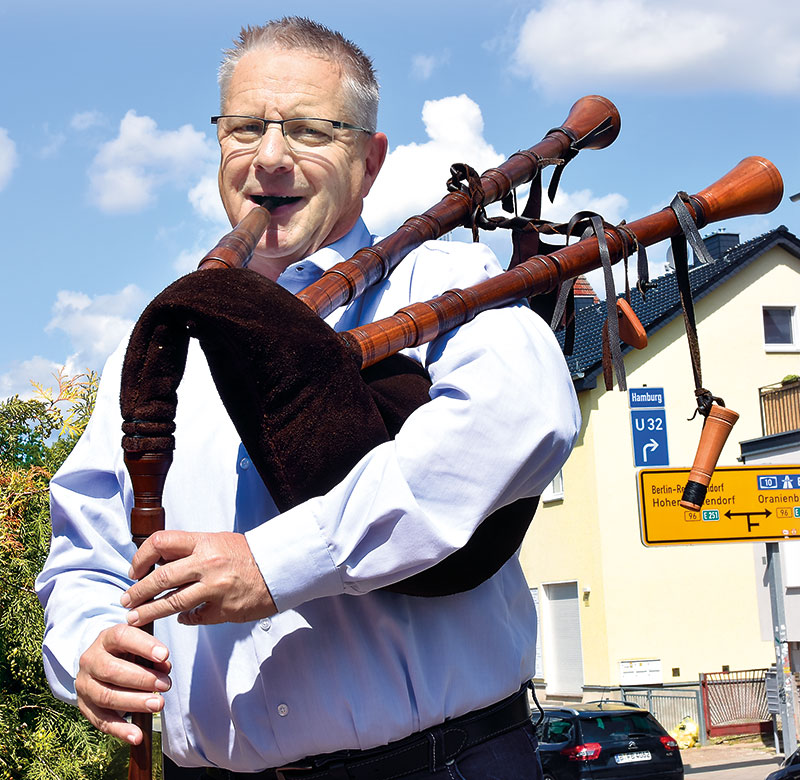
x=431, y=749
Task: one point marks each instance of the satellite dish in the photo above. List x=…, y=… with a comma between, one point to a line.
x=671, y=258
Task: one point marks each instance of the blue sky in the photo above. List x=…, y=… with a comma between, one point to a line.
x=107, y=159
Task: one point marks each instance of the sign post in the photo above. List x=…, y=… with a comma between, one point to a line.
x=743, y=504
x=782, y=664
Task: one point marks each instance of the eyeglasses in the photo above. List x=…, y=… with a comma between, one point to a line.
x=301, y=134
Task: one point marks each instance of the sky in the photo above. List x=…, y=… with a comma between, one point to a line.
x=108, y=160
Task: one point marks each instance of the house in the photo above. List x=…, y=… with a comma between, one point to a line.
x=612, y=611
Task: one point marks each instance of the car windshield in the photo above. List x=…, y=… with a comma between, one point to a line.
x=604, y=727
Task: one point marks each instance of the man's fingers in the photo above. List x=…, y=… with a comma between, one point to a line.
x=202, y=615
x=127, y=674
x=114, y=699
x=127, y=640
x=110, y=722
x=161, y=546
x=164, y=579
x=109, y=683
x=180, y=600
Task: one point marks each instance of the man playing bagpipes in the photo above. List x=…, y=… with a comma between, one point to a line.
x=288, y=642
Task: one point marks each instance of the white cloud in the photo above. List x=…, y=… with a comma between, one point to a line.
x=17, y=380
x=731, y=45
x=610, y=206
x=83, y=120
x=127, y=171
x=205, y=239
x=95, y=325
x=8, y=157
x=414, y=176
x=423, y=65
x=53, y=145
x=205, y=200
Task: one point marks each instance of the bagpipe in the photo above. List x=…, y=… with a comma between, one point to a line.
x=309, y=402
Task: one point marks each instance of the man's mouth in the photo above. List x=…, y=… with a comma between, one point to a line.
x=272, y=202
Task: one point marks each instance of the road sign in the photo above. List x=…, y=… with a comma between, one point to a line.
x=645, y=397
x=649, y=428
x=743, y=504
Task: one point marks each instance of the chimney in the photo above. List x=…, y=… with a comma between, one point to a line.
x=584, y=293
x=718, y=244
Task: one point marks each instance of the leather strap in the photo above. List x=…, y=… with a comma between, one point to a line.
x=681, y=257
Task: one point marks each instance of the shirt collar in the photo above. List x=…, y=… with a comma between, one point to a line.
x=312, y=267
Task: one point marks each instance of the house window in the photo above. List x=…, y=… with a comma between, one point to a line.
x=780, y=327
x=555, y=490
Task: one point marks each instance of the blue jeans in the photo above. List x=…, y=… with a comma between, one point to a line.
x=509, y=756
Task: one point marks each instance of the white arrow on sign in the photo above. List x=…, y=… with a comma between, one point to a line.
x=653, y=445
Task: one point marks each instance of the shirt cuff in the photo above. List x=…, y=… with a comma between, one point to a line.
x=294, y=559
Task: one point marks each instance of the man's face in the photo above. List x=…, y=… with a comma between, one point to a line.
x=328, y=184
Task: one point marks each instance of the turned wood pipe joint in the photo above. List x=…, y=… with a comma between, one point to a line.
x=502, y=181
x=426, y=225
x=716, y=429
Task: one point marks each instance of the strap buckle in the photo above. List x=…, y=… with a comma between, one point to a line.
x=280, y=773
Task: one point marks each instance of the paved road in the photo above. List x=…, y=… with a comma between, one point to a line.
x=722, y=762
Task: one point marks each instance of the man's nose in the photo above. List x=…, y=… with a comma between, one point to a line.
x=272, y=152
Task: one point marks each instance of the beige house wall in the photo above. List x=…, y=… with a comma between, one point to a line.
x=691, y=607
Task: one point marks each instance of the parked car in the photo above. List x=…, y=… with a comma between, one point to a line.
x=606, y=741
x=789, y=769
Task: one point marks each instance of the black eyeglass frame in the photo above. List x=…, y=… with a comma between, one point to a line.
x=282, y=122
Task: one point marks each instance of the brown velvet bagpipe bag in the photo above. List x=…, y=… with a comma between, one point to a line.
x=305, y=411
x=294, y=389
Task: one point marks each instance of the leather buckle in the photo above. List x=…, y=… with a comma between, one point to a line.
x=280, y=773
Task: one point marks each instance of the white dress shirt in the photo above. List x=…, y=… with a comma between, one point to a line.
x=343, y=664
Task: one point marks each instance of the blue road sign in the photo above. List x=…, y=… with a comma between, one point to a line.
x=645, y=397
x=779, y=482
x=649, y=428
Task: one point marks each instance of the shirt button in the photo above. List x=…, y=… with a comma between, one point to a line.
x=244, y=463
x=265, y=624
x=283, y=710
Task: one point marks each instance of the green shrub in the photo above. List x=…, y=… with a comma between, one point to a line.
x=40, y=737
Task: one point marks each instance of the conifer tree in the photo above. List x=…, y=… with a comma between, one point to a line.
x=41, y=738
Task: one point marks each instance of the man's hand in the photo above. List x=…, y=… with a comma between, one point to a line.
x=203, y=578
x=109, y=683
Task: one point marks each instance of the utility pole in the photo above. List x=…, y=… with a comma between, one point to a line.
x=782, y=664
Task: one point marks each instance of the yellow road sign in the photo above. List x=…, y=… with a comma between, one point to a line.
x=743, y=504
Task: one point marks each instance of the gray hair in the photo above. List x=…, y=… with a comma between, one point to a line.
x=297, y=32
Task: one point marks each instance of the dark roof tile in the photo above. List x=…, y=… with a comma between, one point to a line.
x=662, y=304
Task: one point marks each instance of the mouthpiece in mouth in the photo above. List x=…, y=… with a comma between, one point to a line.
x=271, y=202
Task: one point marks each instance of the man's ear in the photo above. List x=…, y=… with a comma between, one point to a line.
x=374, y=155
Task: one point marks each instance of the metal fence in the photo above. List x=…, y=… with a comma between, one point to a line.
x=735, y=702
x=670, y=705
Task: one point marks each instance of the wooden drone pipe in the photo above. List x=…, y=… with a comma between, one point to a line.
x=716, y=429
x=348, y=279
x=754, y=186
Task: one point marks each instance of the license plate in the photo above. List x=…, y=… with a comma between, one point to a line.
x=629, y=758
